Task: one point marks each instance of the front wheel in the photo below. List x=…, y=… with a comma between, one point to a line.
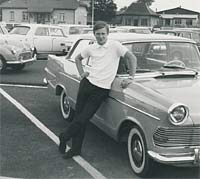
x=140, y=162
x=66, y=110
x=2, y=65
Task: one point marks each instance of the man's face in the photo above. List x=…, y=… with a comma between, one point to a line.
x=101, y=36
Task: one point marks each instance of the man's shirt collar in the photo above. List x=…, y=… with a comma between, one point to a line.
x=103, y=46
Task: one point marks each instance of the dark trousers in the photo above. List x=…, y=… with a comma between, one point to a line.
x=88, y=101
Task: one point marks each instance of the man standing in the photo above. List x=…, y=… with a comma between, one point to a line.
x=95, y=84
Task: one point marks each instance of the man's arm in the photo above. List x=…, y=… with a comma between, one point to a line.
x=132, y=63
x=79, y=66
x=132, y=60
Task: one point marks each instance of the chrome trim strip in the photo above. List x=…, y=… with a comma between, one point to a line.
x=78, y=81
x=139, y=110
x=48, y=71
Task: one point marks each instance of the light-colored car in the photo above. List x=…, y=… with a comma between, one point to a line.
x=47, y=39
x=14, y=54
x=134, y=29
x=158, y=113
x=186, y=33
x=71, y=29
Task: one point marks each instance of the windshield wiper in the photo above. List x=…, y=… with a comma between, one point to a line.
x=144, y=70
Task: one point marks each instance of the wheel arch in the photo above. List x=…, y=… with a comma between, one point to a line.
x=125, y=128
x=59, y=89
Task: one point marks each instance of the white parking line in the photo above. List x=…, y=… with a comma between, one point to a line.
x=90, y=169
x=23, y=86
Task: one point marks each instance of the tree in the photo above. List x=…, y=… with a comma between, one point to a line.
x=103, y=10
x=148, y=2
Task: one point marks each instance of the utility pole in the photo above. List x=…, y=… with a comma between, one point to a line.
x=93, y=13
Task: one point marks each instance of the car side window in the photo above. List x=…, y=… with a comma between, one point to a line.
x=82, y=44
x=56, y=32
x=42, y=31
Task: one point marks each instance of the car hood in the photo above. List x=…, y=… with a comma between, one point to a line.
x=179, y=90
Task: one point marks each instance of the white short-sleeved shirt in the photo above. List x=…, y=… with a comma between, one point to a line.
x=104, y=62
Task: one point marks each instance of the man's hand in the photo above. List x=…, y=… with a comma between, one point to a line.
x=125, y=82
x=84, y=74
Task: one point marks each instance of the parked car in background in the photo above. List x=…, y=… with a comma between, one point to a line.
x=134, y=29
x=47, y=39
x=14, y=54
x=158, y=113
x=186, y=33
x=3, y=29
x=70, y=29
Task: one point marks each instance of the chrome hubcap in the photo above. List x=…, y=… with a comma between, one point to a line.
x=66, y=107
x=137, y=151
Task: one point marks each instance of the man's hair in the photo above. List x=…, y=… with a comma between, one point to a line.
x=100, y=25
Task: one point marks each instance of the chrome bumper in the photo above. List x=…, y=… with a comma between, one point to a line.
x=192, y=158
x=22, y=61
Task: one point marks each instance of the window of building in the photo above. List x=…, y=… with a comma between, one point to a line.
x=62, y=17
x=128, y=21
x=177, y=21
x=189, y=22
x=144, y=22
x=25, y=16
x=12, y=16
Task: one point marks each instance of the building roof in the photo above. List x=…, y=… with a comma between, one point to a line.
x=178, y=10
x=47, y=5
x=139, y=9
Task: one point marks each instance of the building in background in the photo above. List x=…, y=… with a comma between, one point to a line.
x=45, y=12
x=179, y=17
x=138, y=14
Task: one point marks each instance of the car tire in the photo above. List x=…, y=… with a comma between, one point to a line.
x=18, y=67
x=2, y=64
x=139, y=159
x=66, y=110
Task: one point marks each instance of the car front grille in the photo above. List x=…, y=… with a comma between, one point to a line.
x=25, y=56
x=177, y=136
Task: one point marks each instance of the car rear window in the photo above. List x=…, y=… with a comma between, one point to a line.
x=20, y=30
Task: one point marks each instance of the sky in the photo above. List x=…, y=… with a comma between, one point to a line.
x=193, y=5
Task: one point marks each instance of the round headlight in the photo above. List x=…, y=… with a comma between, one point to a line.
x=13, y=50
x=178, y=114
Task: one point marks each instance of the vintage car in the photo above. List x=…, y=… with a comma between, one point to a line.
x=158, y=113
x=70, y=29
x=47, y=39
x=184, y=32
x=14, y=54
x=134, y=29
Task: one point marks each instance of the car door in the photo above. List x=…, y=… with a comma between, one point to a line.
x=42, y=40
x=58, y=39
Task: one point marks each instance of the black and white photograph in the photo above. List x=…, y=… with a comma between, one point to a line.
x=99, y=89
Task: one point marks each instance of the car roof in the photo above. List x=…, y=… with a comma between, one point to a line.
x=177, y=30
x=37, y=25
x=128, y=37
x=132, y=27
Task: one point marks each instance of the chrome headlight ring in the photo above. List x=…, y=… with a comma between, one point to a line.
x=178, y=113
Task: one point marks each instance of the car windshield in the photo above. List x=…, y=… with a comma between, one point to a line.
x=153, y=56
x=20, y=30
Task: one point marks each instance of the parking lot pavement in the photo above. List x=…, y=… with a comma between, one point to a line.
x=33, y=74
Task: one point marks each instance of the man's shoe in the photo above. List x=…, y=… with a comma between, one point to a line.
x=62, y=145
x=70, y=153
